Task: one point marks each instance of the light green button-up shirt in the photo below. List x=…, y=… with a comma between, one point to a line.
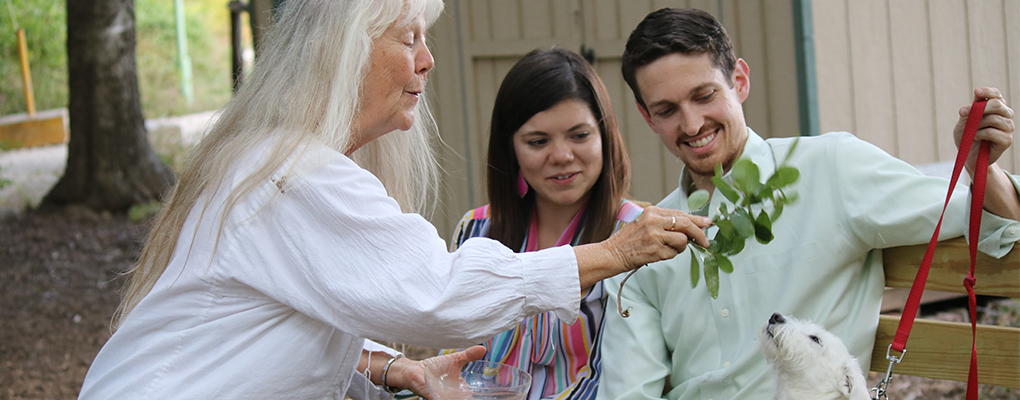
x=824, y=265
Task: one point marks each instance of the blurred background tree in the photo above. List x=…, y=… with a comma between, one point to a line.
x=44, y=21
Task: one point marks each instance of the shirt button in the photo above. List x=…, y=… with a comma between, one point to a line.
x=726, y=364
x=725, y=312
x=1012, y=231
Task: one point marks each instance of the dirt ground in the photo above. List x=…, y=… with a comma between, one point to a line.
x=59, y=285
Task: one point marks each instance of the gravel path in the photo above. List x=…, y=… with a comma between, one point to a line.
x=33, y=171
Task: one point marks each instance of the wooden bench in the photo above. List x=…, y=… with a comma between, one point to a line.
x=941, y=350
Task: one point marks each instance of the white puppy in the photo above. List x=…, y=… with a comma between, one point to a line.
x=812, y=362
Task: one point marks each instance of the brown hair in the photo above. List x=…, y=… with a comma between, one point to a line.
x=674, y=30
x=539, y=81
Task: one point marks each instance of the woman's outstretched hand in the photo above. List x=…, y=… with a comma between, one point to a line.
x=657, y=234
x=411, y=375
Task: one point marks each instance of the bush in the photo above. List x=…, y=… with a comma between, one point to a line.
x=46, y=37
x=45, y=24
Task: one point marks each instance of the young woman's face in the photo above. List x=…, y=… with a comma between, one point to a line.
x=396, y=75
x=560, y=153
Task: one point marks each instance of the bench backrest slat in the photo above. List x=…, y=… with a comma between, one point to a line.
x=939, y=349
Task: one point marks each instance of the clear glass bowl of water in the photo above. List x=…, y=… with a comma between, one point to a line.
x=481, y=380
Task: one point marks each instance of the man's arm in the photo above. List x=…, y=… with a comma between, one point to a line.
x=635, y=360
x=997, y=128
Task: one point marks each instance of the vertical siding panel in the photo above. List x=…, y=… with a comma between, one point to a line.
x=566, y=23
x=1011, y=18
x=753, y=48
x=487, y=81
x=871, y=68
x=648, y=178
x=605, y=25
x=660, y=4
x=478, y=19
x=630, y=16
x=832, y=56
x=912, y=81
x=505, y=18
x=445, y=97
x=711, y=6
x=536, y=17
x=988, y=52
x=649, y=164
x=642, y=145
x=729, y=19
x=781, y=69
x=950, y=70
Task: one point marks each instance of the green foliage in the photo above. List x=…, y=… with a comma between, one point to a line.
x=46, y=36
x=744, y=190
x=45, y=25
x=143, y=211
x=208, y=34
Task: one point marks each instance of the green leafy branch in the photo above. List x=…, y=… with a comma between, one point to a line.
x=744, y=189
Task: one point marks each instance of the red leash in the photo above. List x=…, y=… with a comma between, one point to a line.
x=914, y=299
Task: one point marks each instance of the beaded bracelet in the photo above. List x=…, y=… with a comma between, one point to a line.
x=385, y=371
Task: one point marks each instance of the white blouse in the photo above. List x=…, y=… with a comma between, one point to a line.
x=308, y=265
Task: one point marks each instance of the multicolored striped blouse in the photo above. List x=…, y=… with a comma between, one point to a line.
x=563, y=359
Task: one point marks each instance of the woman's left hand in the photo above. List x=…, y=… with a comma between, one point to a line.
x=411, y=375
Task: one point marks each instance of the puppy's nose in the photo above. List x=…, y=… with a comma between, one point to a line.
x=777, y=318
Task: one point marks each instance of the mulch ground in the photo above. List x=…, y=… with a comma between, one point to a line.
x=60, y=276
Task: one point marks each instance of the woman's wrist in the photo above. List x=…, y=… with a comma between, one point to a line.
x=387, y=378
x=396, y=378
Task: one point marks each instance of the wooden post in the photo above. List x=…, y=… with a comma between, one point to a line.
x=26, y=74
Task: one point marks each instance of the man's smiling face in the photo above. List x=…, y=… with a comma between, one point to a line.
x=695, y=110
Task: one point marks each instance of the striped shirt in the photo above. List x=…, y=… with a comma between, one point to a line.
x=563, y=359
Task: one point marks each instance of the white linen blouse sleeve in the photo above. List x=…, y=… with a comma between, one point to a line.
x=331, y=244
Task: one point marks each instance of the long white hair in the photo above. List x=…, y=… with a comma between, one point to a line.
x=305, y=87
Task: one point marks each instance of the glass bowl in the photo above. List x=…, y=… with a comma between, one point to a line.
x=452, y=380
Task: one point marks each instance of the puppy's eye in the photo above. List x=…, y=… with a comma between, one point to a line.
x=815, y=339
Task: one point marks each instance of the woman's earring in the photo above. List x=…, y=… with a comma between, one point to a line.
x=522, y=185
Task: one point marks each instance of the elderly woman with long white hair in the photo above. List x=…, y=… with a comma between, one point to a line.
x=291, y=235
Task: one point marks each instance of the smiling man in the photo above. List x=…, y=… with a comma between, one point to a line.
x=825, y=262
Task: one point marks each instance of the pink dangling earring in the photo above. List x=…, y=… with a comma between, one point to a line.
x=522, y=185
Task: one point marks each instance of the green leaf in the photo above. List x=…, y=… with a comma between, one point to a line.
x=763, y=228
x=734, y=247
x=695, y=269
x=743, y=223
x=746, y=176
x=712, y=276
x=718, y=243
x=778, y=211
x=726, y=229
x=792, y=148
x=724, y=264
x=698, y=199
x=725, y=189
x=784, y=176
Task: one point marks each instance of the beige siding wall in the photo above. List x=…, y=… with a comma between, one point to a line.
x=895, y=72
x=477, y=41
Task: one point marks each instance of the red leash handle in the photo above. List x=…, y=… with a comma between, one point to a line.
x=977, y=200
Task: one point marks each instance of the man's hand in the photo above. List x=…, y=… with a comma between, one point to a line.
x=996, y=126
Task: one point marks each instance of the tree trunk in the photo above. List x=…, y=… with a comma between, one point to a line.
x=110, y=163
